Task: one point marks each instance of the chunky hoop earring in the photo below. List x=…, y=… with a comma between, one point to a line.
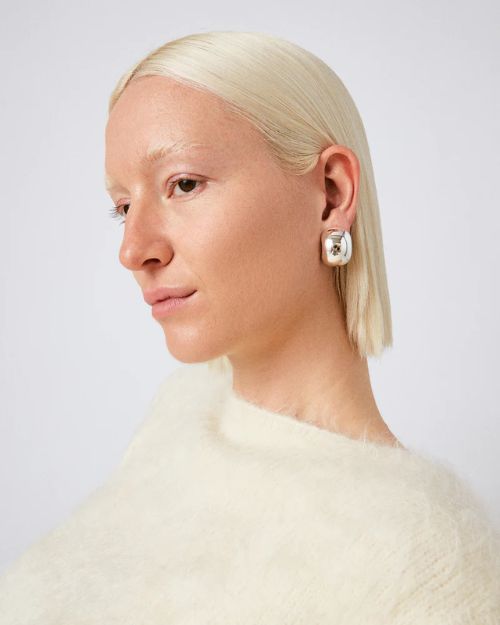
x=336, y=246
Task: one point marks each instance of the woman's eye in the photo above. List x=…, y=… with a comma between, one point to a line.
x=117, y=212
x=188, y=185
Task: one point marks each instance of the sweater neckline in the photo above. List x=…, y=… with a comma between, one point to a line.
x=250, y=424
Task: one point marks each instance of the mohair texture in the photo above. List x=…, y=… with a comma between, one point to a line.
x=222, y=512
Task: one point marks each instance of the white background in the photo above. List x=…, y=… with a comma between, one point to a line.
x=81, y=355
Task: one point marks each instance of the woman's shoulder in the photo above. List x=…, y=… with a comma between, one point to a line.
x=425, y=491
x=175, y=394
x=415, y=529
x=449, y=538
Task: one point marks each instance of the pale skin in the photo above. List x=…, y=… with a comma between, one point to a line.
x=246, y=236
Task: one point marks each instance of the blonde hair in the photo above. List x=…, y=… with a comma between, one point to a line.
x=301, y=107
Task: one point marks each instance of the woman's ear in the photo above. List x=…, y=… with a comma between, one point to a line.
x=339, y=167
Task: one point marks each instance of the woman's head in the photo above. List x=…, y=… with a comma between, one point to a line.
x=278, y=152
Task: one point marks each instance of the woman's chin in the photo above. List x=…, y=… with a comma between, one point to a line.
x=187, y=350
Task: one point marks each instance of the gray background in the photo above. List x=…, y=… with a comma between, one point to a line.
x=81, y=355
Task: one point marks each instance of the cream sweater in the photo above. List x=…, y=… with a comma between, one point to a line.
x=224, y=513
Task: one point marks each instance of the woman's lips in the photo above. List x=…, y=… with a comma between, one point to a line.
x=151, y=296
x=170, y=305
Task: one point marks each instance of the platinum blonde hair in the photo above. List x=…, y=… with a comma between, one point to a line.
x=300, y=106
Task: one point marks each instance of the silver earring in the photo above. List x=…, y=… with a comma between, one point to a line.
x=336, y=246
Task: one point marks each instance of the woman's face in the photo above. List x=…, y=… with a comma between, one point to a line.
x=245, y=235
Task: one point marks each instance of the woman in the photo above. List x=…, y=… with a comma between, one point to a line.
x=263, y=486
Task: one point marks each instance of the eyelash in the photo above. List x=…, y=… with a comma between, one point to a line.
x=115, y=211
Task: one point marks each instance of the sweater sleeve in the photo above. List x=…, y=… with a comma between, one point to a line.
x=454, y=578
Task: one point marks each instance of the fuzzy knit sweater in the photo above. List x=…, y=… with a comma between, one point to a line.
x=222, y=512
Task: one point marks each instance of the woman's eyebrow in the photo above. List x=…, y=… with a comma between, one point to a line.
x=160, y=151
x=157, y=152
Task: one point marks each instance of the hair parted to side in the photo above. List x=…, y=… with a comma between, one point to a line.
x=300, y=106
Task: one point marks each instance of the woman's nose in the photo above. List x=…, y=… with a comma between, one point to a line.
x=144, y=239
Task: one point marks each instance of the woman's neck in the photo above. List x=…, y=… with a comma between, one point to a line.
x=311, y=371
